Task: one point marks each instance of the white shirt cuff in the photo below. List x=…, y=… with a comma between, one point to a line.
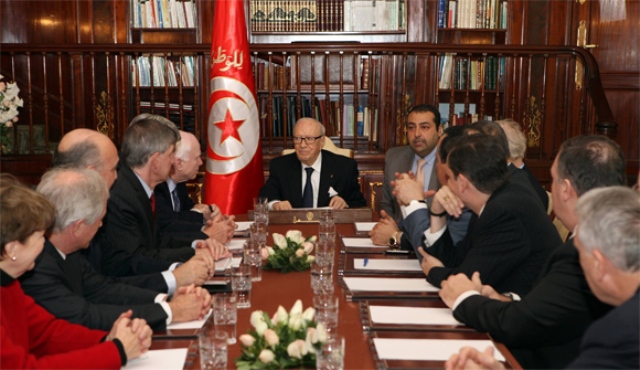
x=432, y=238
x=270, y=204
x=167, y=309
x=462, y=297
x=412, y=207
x=170, y=280
x=194, y=244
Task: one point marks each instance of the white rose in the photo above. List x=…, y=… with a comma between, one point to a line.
x=297, y=349
x=261, y=328
x=308, y=247
x=309, y=313
x=312, y=338
x=9, y=123
x=300, y=253
x=264, y=253
x=266, y=356
x=271, y=251
x=256, y=317
x=271, y=337
x=281, y=315
x=311, y=259
x=313, y=239
x=321, y=331
x=247, y=340
x=295, y=321
x=296, y=309
x=280, y=241
x=295, y=236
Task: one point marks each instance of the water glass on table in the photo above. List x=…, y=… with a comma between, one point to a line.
x=331, y=355
x=258, y=231
x=322, y=278
x=327, y=307
x=212, y=347
x=225, y=314
x=327, y=228
x=253, y=258
x=241, y=284
x=325, y=252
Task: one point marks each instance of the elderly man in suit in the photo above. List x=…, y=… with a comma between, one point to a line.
x=510, y=234
x=89, y=149
x=423, y=131
x=176, y=213
x=65, y=284
x=312, y=177
x=607, y=239
x=544, y=328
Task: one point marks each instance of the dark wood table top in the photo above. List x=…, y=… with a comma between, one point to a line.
x=284, y=289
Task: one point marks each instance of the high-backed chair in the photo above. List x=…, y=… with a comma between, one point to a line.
x=330, y=146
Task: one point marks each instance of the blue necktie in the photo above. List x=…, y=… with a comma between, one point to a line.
x=176, y=200
x=307, y=195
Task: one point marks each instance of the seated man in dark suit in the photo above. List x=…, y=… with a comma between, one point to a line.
x=510, y=234
x=90, y=149
x=543, y=330
x=607, y=240
x=65, y=284
x=176, y=213
x=327, y=180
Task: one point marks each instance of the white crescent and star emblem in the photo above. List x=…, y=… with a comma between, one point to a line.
x=233, y=126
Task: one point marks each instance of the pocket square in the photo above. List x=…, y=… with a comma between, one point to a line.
x=332, y=192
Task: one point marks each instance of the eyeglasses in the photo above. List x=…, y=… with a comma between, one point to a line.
x=308, y=140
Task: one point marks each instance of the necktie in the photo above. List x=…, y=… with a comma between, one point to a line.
x=152, y=202
x=420, y=170
x=307, y=194
x=176, y=200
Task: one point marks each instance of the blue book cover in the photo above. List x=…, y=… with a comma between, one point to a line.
x=442, y=13
x=360, y=118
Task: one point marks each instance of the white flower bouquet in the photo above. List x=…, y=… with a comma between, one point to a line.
x=290, y=252
x=286, y=340
x=9, y=104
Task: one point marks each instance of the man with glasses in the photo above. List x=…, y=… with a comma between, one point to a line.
x=312, y=177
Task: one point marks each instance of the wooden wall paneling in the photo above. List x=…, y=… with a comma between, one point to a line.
x=419, y=27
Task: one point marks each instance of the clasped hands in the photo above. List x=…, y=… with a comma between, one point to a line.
x=203, y=264
x=134, y=334
x=336, y=202
x=406, y=188
x=457, y=284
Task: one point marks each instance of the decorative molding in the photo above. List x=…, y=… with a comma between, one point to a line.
x=403, y=110
x=532, y=120
x=372, y=186
x=104, y=115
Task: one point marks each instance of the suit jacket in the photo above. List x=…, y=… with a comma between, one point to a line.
x=338, y=172
x=129, y=223
x=612, y=342
x=71, y=289
x=535, y=184
x=419, y=221
x=185, y=223
x=126, y=268
x=544, y=329
x=520, y=177
x=400, y=159
x=508, y=243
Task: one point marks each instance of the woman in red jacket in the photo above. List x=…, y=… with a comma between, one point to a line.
x=30, y=337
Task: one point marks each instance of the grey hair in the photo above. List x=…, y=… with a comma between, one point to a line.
x=610, y=222
x=146, y=136
x=80, y=155
x=77, y=194
x=322, y=130
x=184, y=147
x=515, y=137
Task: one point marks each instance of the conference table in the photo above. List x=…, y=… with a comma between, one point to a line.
x=284, y=289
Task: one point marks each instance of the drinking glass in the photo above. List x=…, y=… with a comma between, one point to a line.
x=213, y=350
x=258, y=231
x=322, y=278
x=327, y=306
x=331, y=354
x=225, y=314
x=325, y=252
x=327, y=228
x=241, y=284
x=253, y=258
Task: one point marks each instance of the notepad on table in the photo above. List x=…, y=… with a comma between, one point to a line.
x=371, y=284
x=159, y=359
x=226, y=263
x=427, y=349
x=360, y=243
x=235, y=244
x=364, y=227
x=386, y=264
x=412, y=315
x=193, y=324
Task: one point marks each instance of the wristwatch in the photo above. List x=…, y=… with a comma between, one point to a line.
x=393, y=240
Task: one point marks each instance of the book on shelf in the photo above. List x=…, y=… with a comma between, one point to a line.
x=163, y=14
x=472, y=14
x=162, y=71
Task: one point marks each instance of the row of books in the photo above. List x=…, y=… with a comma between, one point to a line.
x=284, y=114
x=163, y=14
x=491, y=14
x=162, y=71
x=326, y=15
x=461, y=73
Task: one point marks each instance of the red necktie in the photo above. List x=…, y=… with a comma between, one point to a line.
x=152, y=201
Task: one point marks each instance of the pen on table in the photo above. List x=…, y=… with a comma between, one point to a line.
x=366, y=260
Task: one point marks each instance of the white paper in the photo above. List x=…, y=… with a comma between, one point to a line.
x=194, y=324
x=412, y=315
x=364, y=226
x=159, y=359
x=427, y=349
x=386, y=264
x=225, y=263
x=243, y=225
x=360, y=243
x=235, y=244
x=366, y=284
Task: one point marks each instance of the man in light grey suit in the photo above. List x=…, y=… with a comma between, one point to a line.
x=423, y=131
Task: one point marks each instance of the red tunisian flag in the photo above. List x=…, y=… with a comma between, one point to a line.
x=234, y=153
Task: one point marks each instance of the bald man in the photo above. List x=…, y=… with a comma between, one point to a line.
x=333, y=178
